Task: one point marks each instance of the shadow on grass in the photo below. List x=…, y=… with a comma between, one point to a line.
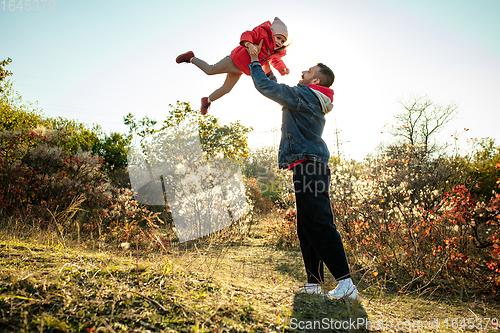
x=314, y=313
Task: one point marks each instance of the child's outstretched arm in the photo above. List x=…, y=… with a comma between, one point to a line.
x=280, y=66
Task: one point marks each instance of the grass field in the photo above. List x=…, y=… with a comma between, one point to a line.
x=241, y=285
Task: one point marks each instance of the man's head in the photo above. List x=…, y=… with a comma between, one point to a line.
x=320, y=74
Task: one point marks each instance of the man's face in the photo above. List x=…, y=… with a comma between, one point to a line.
x=309, y=75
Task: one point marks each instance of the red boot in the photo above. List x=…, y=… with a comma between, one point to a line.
x=205, y=105
x=185, y=57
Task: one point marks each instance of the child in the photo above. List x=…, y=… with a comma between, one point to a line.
x=271, y=37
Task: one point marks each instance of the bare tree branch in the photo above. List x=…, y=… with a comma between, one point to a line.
x=421, y=120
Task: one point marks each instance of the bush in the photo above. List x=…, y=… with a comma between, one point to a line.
x=283, y=233
x=272, y=187
x=477, y=171
x=260, y=204
x=397, y=221
x=16, y=113
x=49, y=187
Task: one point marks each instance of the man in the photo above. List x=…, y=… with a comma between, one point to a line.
x=303, y=150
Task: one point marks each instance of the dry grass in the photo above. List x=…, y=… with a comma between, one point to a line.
x=240, y=285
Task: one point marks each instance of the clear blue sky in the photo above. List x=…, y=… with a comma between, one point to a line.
x=96, y=61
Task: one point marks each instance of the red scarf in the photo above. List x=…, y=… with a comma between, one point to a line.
x=326, y=91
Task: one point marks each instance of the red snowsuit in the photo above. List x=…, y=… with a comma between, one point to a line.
x=267, y=54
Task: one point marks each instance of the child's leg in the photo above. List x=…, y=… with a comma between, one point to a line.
x=226, y=65
x=266, y=68
x=231, y=80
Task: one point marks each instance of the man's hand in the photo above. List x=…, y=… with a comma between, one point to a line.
x=254, y=50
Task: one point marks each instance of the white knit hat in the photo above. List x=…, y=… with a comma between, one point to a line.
x=279, y=28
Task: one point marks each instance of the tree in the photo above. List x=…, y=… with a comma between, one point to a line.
x=413, y=160
x=79, y=136
x=421, y=120
x=187, y=162
x=3, y=72
x=478, y=171
x=16, y=113
x=113, y=150
x=228, y=141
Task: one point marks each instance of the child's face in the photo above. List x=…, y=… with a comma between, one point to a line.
x=280, y=41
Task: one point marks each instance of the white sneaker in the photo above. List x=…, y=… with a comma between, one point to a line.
x=311, y=288
x=345, y=289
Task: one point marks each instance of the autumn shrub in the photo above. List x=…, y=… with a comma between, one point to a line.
x=49, y=187
x=283, y=232
x=474, y=243
x=272, y=185
x=398, y=222
x=260, y=204
x=477, y=171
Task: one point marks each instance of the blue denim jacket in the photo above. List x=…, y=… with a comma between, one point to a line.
x=303, y=119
